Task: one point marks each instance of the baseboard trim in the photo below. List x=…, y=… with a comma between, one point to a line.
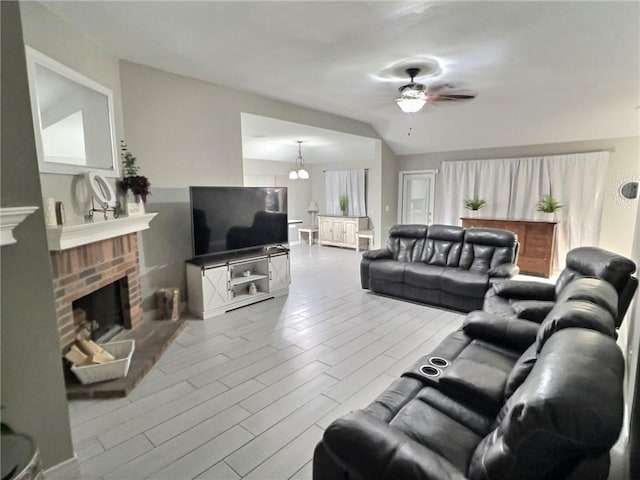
x=67, y=470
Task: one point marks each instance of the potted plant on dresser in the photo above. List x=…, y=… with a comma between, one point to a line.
x=134, y=186
x=548, y=205
x=474, y=205
x=342, y=202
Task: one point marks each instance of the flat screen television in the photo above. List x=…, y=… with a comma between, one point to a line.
x=231, y=219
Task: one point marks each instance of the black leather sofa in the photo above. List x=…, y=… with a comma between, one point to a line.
x=533, y=300
x=440, y=265
x=502, y=398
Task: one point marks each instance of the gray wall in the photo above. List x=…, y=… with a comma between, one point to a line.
x=389, y=199
x=187, y=132
x=617, y=222
x=33, y=395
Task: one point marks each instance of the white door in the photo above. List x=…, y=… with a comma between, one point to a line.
x=416, y=196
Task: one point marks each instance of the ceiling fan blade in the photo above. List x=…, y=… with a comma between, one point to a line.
x=451, y=97
x=437, y=86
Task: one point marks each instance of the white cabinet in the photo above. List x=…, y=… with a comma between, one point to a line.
x=340, y=231
x=215, y=287
x=279, y=277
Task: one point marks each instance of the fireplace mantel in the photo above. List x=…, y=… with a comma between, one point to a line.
x=74, y=235
x=10, y=218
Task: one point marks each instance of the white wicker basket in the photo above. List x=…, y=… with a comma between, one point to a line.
x=118, y=368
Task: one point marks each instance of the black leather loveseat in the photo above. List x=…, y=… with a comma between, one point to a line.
x=532, y=300
x=441, y=265
x=501, y=399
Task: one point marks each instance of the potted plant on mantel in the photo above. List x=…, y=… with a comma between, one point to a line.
x=473, y=205
x=548, y=206
x=342, y=201
x=137, y=184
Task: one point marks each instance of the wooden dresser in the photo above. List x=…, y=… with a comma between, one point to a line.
x=341, y=231
x=537, y=241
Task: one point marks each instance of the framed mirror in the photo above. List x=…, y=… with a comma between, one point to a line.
x=73, y=119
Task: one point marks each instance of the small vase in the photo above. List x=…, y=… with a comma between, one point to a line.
x=134, y=204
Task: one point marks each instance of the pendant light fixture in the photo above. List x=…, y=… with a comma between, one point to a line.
x=299, y=172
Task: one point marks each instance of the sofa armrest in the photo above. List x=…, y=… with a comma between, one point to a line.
x=534, y=310
x=513, y=333
x=525, y=290
x=505, y=270
x=378, y=254
x=371, y=449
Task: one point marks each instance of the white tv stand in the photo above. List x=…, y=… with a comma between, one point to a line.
x=222, y=283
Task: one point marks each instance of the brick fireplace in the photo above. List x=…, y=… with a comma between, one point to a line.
x=87, y=268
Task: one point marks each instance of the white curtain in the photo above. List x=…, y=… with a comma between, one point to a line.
x=512, y=187
x=345, y=182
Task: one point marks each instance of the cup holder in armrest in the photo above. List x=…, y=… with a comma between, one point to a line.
x=430, y=371
x=438, y=362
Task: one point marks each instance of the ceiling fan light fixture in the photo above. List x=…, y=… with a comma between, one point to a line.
x=410, y=105
x=412, y=96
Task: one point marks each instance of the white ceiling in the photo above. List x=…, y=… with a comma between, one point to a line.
x=544, y=71
x=266, y=138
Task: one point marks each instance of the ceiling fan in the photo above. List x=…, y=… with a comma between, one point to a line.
x=413, y=96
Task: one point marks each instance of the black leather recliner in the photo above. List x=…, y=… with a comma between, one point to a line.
x=533, y=300
x=441, y=265
x=502, y=398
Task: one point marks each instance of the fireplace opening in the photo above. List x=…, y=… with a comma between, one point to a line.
x=104, y=312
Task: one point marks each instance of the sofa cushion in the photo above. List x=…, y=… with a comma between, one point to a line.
x=428, y=426
x=444, y=244
x=575, y=313
x=387, y=270
x=478, y=376
x=593, y=290
x=569, y=407
x=596, y=262
x=476, y=422
x=422, y=275
x=406, y=242
x=464, y=282
x=485, y=248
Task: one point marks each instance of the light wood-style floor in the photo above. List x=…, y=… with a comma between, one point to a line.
x=248, y=394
